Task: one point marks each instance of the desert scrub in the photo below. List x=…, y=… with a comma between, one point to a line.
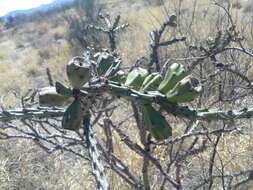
x=31, y=168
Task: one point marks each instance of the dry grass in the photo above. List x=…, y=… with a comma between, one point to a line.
x=32, y=169
x=25, y=54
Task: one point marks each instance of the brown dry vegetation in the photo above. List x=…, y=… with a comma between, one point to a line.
x=27, y=50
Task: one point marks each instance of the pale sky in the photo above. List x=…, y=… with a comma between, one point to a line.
x=12, y=5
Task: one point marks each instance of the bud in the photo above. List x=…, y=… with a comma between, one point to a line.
x=78, y=72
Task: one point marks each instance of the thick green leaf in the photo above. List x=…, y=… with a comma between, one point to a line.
x=78, y=72
x=104, y=62
x=107, y=64
x=63, y=90
x=174, y=74
x=136, y=77
x=49, y=97
x=72, y=117
x=156, y=123
x=185, y=91
x=119, y=77
x=151, y=82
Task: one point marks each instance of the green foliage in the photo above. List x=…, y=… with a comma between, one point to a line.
x=185, y=90
x=104, y=62
x=119, y=77
x=156, y=123
x=107, y=64
x=72, y=117
x=49, y=97
x=63, y=90
x=177, y=86
x=78, y=72
x=136, y=77
x=174, y=74
x=151, y=82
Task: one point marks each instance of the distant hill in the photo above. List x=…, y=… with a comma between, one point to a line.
x=42, y=8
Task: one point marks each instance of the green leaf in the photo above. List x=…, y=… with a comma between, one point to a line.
x=151, y=82
x=78, y=72
x=185, y=91
x=147, y=79
x=72, y=117
x=173, y=21
x=135, y=78
x=156, y=123
x=119, y=77
x=174, y=74
x=106, y=63
x=49, y=97
x=63, y=90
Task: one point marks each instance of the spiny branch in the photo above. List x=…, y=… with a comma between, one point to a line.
x=123, y=91
x=155, y=41
x=29, y=113
x=111, y=28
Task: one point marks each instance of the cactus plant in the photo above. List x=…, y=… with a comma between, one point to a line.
x=156, y=123
x=72, y=117
x=118, y=77
x=63, y=90
x=186, y=90
x=151, y=82
x=78, y=72
x=104, y=62
x=136, y=77
x=49, y=97
x=174, y=74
